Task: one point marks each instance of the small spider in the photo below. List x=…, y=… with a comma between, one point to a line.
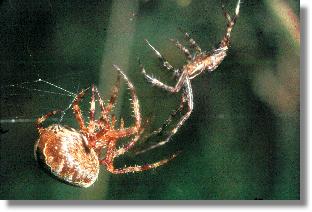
x=74, y=156
x=197, y=63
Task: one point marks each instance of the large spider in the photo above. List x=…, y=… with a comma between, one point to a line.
x=197, y=63
x=74, y=156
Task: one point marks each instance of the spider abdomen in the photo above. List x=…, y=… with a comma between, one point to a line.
x=63, y=151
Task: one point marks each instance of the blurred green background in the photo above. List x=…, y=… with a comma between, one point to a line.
x=242, y=140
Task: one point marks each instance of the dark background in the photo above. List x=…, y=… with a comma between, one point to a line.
x=242, y=139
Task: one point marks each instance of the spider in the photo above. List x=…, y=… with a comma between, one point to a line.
x=74, y=156
x=197, y=63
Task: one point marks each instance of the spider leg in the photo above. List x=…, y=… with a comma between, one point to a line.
x=164, y=62
x=112, y=154
x=125, y=148
x=77, y=110
x=106, y=110
x=225, y=42
x=166, y=123
x=40, y=120
x=182, y=48
x=157, y=83
x=91, y=125
x=103, y=119
x=118, y=133
x=134, y=97
x=193, y=43
x=114, y=95
x=125, y=132
x=112, y=169
x=189, y=99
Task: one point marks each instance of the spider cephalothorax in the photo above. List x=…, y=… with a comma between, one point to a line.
x=74, y=155
x=197, y=63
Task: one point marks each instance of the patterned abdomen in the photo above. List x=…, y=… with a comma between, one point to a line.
x=62, y=150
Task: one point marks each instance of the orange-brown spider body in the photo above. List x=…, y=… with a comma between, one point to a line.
x=74, y=156
x=63, y=152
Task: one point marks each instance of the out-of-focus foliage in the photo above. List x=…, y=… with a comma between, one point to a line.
x=242, y=140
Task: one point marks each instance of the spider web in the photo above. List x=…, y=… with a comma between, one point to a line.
x=35, y=86
x=25, y=101
x=27, y=95
x=36, y=78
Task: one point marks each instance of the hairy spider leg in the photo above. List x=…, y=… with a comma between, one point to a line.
x=187, y=53
x=182, y=48
x=162, y=85
x=109, y=162
x=134, y=99
x=114, y=95
x=164, y=62
x=172, y=115
x=125, y=132
x=89, y=131
x=103, y=121
x=163, y=127
x=77, y=110
x=183, y=81
x=166, y=123
x=193, y=43
x=187, y=97
x=181, y=76
x=91, y=125
x=225, y=42
x=112, y=153
x=40, y=120
x=106, y=110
